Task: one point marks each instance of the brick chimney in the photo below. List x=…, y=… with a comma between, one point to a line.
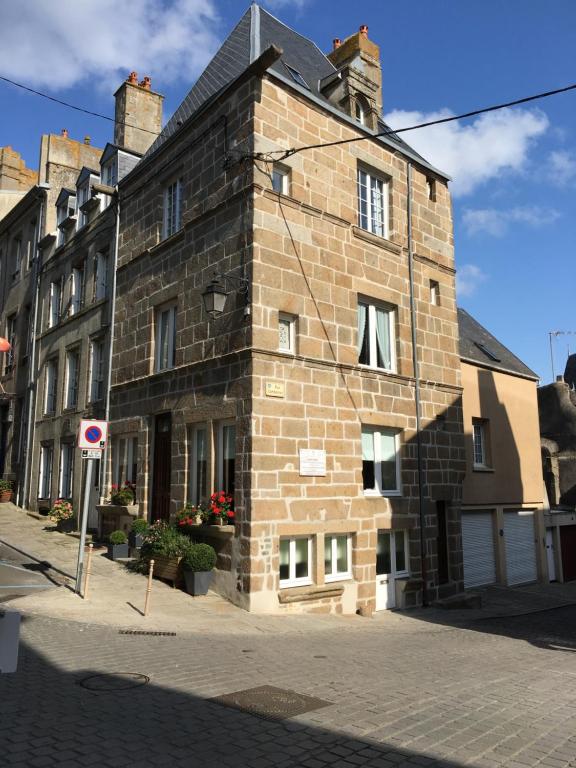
x=138, y=114
x=358, y=60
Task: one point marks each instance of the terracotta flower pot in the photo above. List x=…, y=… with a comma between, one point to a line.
x=5, y=496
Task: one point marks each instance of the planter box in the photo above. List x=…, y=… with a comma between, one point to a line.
x=168, y=568
x=117, y=551
x=5, y=496
x=135, y=540
x=198, y=582
x=66, y=526
x=113, y=517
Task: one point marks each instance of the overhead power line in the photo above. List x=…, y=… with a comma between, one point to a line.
x=284, y=153
x=73, y=106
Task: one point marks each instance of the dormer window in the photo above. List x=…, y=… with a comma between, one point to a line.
x=82, y=197
x=110, y=173
x=362, y=110
x=65, y=214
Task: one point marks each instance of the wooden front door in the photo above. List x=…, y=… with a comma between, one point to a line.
x=162, y=467
x=568, y=548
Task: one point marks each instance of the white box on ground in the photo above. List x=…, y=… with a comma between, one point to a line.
x=9, y=639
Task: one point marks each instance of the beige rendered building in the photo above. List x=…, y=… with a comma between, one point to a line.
x=300, y=397
x=503, y=496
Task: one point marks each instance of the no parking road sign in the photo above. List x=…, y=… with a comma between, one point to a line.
x=92, y=434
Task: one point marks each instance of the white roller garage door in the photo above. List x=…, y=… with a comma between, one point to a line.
x=520, y=547
x=478, y=545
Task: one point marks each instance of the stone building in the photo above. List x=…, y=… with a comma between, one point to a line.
x=341, y=443
x=503, y=493
x=15, y=179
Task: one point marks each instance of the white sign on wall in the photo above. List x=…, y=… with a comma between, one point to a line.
x=312, y=462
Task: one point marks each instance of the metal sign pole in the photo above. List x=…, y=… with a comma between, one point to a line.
x=84, y=525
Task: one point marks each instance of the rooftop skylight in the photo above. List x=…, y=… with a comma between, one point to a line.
x=296, y=76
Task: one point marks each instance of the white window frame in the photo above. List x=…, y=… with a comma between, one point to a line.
x=375, y=185
x=480, y=446
x=45, y=473
x=290, y=321
x=101, y=275
x=61, y=215
x=435, y=293
x=82, y=194
x=66, y=479
x=220, y=454
x=55, y=305
x=125, y=453
x=172, y=209
x=17, y=250
x=170, y=338
x=50, y=387
x=280, y=179
x=292, y=581
x=193, y=496
x=376, y=433
x=31, y=244
x=71, y=383
x=76, y=289
x=336, y=575
x=10, y=355
x=96, y=377
x=371, y=320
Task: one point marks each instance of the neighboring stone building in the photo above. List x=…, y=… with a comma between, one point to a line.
x=300, y=398
x=15, y=179
x=557, y=407
x=503, y=496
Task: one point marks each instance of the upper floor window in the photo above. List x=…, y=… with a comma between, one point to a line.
x=480, y=440
x=172, y=214
x=376, y=336
x=372, y=203
x=100, y=275
x=72, y=374
x=280, y=179
x=82, y=197
x=380, y=461
x=431, y=188
x=286, y=333
x=96, y=371
x=435, y=293
x=31, y=244
x=55, y=306
x=11, y=338
x=61, y=214
x=361, y=110
x=17, y=257
x=110, y=173
x=50, y=383
x=77, y=289
x=165, y=340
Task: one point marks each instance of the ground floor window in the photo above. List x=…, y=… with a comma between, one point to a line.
x=295, y=561
x=198, y=464
x=45, y=477
x=125, y=457
x=226, y=458
x=337, y=557
x=66, y=470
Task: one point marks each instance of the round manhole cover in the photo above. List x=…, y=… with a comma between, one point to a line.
x=119, y=681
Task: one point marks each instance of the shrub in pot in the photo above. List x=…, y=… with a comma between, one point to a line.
x=198, y=566
x=5, y=490
x=62, y=514
x=117, y=545
x=137, y=533
x=123, y=495
x=166, y=546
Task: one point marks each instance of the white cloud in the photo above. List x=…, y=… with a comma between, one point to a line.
x=496, y=221
x=468, y=278
x=476, y=152
x=57, y=44
x=562, y=170
x=276, y=5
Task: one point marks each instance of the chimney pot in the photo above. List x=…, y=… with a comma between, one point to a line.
x=336, y=43
x=132, y=78
x=64, y=133
x=87, y=140
x=364, y=30
x=146, y=83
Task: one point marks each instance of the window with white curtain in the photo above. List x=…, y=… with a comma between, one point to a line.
x=372, y=203
x=165, y=338
x=66, y=470
x=295, y=561
x=50, y=384
x=101, y=275
x=337, y=557
x=226, y=458
x=380, y=461
x=125, y=458
x=198, y=464
x=77, y=289
x=96, y=371
x=377, y=336
x=45, y=475
x=72, y=373
x=172, y=215
x=55, y=306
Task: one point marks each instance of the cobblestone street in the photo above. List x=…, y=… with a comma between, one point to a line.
x=401, y=692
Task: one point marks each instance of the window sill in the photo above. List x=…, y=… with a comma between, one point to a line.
x=382, y=242
x=482, y=468
x=167, y=241
x=301, y=594
x=375, y=369
x=338, y=579
x=378, y=495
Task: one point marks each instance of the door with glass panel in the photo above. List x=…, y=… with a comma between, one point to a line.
x=391, y=562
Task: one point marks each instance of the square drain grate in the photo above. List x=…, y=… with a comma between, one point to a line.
x=271, y=703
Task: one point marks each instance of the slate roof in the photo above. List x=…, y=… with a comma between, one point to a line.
x=479, y=346
x=253, y=34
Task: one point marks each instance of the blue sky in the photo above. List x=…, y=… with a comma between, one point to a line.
x=514, y=188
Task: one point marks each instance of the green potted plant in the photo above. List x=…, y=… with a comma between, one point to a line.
x=189, y=516
x=122, y=495
x=62, y=514
x=137, y=533
x=166, y=546
x=198, y=565
x=117, y=545
x=5, y=491
x=220, y=508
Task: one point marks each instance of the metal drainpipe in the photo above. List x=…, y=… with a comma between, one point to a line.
x=32, y=373
x=416, y=391
x=111, y=344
